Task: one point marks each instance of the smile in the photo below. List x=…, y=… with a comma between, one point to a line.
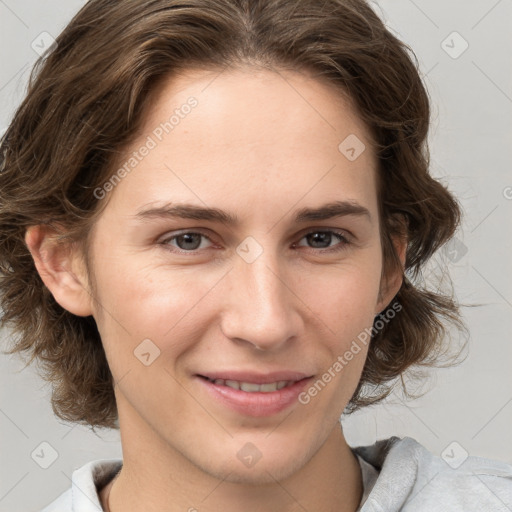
x=251, y=387
x=264, y=396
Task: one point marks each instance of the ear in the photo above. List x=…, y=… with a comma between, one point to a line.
x=61, y=268
x=391, y=283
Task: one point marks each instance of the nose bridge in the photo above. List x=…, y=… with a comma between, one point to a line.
x=261, y=310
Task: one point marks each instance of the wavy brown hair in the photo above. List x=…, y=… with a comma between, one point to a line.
x=85, y=102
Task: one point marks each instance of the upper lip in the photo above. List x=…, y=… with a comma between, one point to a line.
x=255, y=377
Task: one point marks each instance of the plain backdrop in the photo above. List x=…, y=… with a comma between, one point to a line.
x=464, y=53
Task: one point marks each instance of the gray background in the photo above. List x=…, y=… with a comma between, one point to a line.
x=469, y=405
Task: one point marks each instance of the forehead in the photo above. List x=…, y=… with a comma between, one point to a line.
x=259, y=103
x=241, y=136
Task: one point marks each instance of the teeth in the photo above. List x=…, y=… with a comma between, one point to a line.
x=268, y=388
x=232, y=384
x=247, y=386
x=250, y=387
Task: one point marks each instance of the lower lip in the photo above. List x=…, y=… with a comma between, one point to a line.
x=256, y=404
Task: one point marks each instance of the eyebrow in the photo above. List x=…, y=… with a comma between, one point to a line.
x=189, y=211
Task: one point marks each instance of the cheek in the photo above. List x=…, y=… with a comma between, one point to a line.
x=343, y=298
x=140, y=302
x=345, y=307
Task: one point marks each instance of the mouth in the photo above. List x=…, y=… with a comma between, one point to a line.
x=251, y=387
x=253, y=394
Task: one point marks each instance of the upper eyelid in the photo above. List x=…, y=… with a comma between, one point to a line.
x=340, y=232
x=170, y=235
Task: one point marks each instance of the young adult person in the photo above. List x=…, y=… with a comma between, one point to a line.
x=212, y=215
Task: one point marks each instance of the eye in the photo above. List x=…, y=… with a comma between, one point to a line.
x=324, y=240
x=187, y=241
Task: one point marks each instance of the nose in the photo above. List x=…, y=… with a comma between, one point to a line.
x=261, y=308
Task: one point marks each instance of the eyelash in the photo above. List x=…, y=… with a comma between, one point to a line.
x=341, y=235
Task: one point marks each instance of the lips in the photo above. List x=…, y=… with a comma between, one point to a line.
x=254, y=394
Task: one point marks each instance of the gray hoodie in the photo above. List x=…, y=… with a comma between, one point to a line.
x=398, y=475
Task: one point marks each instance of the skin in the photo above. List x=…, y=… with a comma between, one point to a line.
x=259, y=145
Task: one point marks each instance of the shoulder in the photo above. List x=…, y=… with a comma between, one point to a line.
x=411, y=478
x=86, y=481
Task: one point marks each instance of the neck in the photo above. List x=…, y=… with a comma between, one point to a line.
x=155, y=477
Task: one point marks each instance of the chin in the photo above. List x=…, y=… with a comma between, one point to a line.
x=265, y=471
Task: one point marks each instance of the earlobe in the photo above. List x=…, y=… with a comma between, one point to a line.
x=61, y=269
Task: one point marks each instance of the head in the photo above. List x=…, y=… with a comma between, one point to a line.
x=289, y=138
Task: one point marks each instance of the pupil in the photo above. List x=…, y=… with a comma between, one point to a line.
x=323, y=238
x=189, y=238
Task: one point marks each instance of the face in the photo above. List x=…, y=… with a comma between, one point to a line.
x=242, y=245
